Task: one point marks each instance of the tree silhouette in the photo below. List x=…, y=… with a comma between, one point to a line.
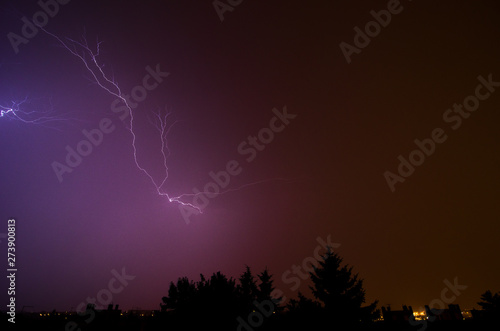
x=216, y=301
x=265, y=287
x=247, y=290
x=221, y=292
x=304, y=314
x=490, y=303
x=340, y=291
x=180, y=296
x=303, y=306
x=213, y=301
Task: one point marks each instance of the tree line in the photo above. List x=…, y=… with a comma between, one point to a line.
x=249, y=303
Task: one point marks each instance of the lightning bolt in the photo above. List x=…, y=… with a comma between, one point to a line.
x=16, y=110
x=89, y=58
x=239, y=188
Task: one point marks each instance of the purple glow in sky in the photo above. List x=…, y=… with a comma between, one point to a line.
x=265, y=122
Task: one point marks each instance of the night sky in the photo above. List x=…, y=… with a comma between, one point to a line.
x=321, y=175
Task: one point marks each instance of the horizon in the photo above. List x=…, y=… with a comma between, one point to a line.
x=144, y=141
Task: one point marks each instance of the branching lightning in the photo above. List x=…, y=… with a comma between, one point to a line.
x=16, y=110
x=89, y=58
x=239, y=188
